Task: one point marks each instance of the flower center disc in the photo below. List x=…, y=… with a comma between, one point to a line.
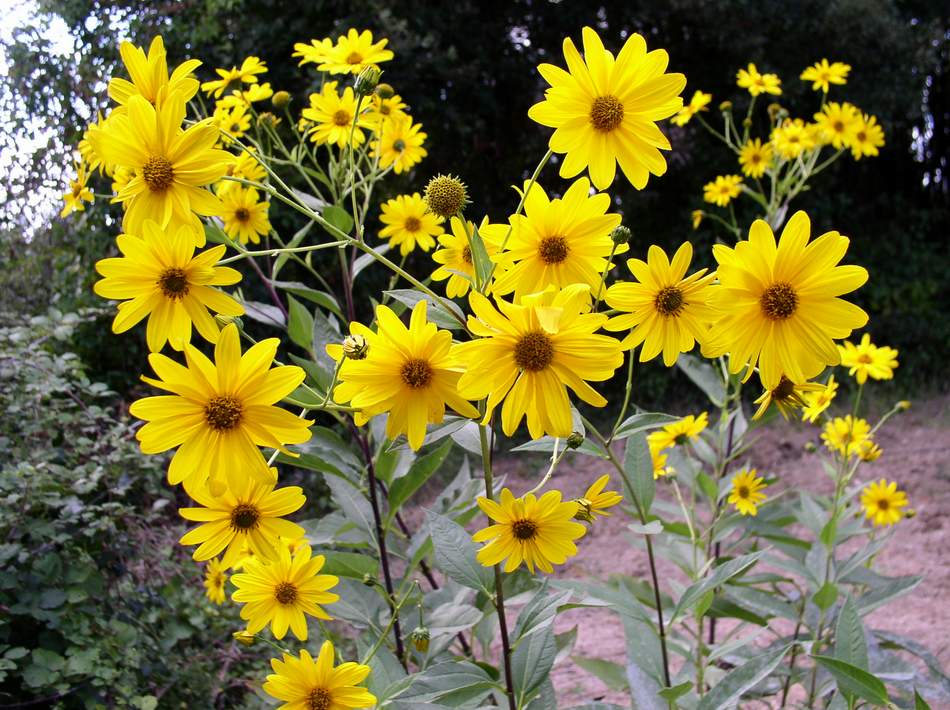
x=883, y=504
x=417, y=373
x=286, y=593
x=319, y=699
x=553, y=250
x=467, y=255
x=354, y=58
x=223, y=412
x=606, y=113
x=399, y=145
x=158, y=173
x=743, y=492
x=244, y=517
x=342, y=118
x=534, y=351
x=174, y=283
x=669, y=300
x=779, y=301
x=524, y=529
x=412, y=224
x=785, y=389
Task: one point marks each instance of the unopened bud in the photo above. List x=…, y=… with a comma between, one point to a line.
x=747, y=123
x=574, y=440
x=910, y=513
x=385, y=91
x=367, y=80
x=244, y=637
x=621, y=235
x=774, y=110
x=355, y=347
x=903, y=405
x=725, y=106
x=369, y=580
x=267, y=119
x=223, y=321
x=810, y=447
x=584, y=510
x=420, y=639
x=280, y=100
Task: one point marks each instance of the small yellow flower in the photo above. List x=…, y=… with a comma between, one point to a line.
x=822, y=74
x=409, y=224
x=755, y=157
x=351, y=54
x=454, y=255
x=381, y=109
x=234, y=77
x=244, y=214
x=837, y=124
x=846, y=435
x=882, y=503
x=699, y=102
x=215, y=579
x=659, y=464
x=78, y=191
x=723, y=189
x=331, y=115
x=697, y=218
x=868, y=360
x=679, y=432
x=868, y=451
x=149, y=75
x=596, y=500
x=756, y=83
x=745, y=495
x=304, y=683
x=787, y=396
x=868, y=137
x=399, y=144
x=232, y=121
x=818, y=401
x=793, y=138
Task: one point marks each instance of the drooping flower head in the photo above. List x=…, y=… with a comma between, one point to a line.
x=883, y=504
x=235, y=77
x=818, y=401
x=409, y=224
x=78, y=192
x=868, y=360
x=596, y=500
x=303, y=683
x=787, y=396
x=746, y=493
x=699, y=102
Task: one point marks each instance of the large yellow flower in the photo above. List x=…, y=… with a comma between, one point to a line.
x=411, y=373
x=282, y=591
x=868, y=137
x=332, y=113
x=244, y=214
x=536, y=531
x=455, y=255
x=238, y=520
x=882, y=502
x=868, y=360
x=529, y=354
x=220, y=412
x=779, y=306
x=665, y=310
x=822, y=74
x=171, y=166
x=149, y=75
x=755, y=83
x=399, y=144
x=755, y=157
x=723, y=190
x=558, y=242
x=307, y=684
x=215, y=580
x=409, y=224
x=605, y=109
x=351, y=54
x=160, y=277
x=746, y=495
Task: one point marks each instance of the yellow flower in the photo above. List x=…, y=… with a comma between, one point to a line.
x=818, y=401
x=455, y=255
x=723, y=189
x=399, y=144
x=149, y=74
x=304, y=683
x=557, y=242
x=215, y=579
x=171, y=166
x=787, y=396
x=698, y=103
x=882, y=502
x=220, y=412
x=536, y=531
x=793, y=138
x=822, y=74
x=659, y=464
x=605, y=109
x=868, y=451
x=242, y=520
x=411, y=373
x=697, y=218
x=247, y=166
x=755, y=157
x=756, y=83
x=234, y=77
x=352, y=53
x=868, y=137
x=528, y=354
x=78, y=191
x=313, y=53
x=596, y=500
x=666, y=310
x=282, y=591
x=868, y=360
x=244, y=215
x=332, y=114
x=745, y=492
x=382, y=110
x=120, y=178
x=409, y=224
x=87, y=147
x=846, y=435
x=779, y=306
x=678, y=433
x=837, y=124
x=233, y=121
x=159, y=277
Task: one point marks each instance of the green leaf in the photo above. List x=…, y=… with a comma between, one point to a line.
x=638, y=465
x=703, y=376
x=854, y=680
x=654, y=527
x=352, y=502
x=540, y=612
x=325, y=331
x=321, y=298
x=299, y=323
x=531, y=663
x=613, y=675
x=708, y=486
x=825, y=597
x=421, y=471
x=455, y=553
x=919, y=702
x=722, y=574
x=454, y=683
x=676, y=691
x=349, y=564
x=891, y=589
x=365, y=260
x=435, y=310
x=339, y=218
x=728, y=691
x=480, y=259
x=643, y=421
x=264, y=313
x=644, y=689
x=850, y=644
x=325, y=452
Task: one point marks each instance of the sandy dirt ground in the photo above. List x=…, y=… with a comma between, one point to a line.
x=916, y=453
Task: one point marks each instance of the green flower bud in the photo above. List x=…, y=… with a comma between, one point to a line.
x=367, y=80
x=575, y=440
x=621, y=235
x=355, y=347
x=385, y=91
x=280, y=100
x=420, y=639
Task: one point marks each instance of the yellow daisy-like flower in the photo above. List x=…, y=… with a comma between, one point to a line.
x=723, y=190
x=745, y=495
x=558, y=242
x=817, y=401
x=149, y=75
x=455, y=255
x=351, y=54
x=528, y=354
x=787, y=396
x=313, y=53
x=215, y=580
x=232, y=121
x=78, y=192
x=868, y=451
x=846, y=435
x=120, y=178
x=332, y=115
x=220, y=412
x=159, y=277
x=399, y=144
x=868, y=360
x=822, y=74
x=793, y=138
x=780, y=307
x=678, y=433
x=883, y=503
x=755, y=157
x=868, y=137
x=411, y=373
x=698, y=103
x=756, y=83
x=665, y=310
x=697, y=218
x=605, y=109
x=837, y=124
x=660, y=468
x=234, y=77
x=244, y=214
x=247, y=166
x=171, y=166
x=537, y=531
x=281, y=592
x=307, y=684
x=382, y=110
x=87, y=147
x=409, y=224
x=245, y=520
x=596, y=500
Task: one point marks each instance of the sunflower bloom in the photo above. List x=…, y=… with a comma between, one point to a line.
x=604, y=109
x=679, y=432
x=755, y=157
x=232, y=121
x=160, y=277
x=868, y=137
x=755, y=83
x=660, y=469
x=281, y=592
x=846, y=435
x=723, y=190
x=780, y=307
x=528, y=354
x=78, y=192
x=746, y=495
x=149, y=75
x=220, y=412
x=215, y=580
x=411, y=373
x=454, y=256
x=332, y=115
x=837, y=124
x=665, y=310
x=596, y=500
x=304, y=683
x=244, y=214
x=787, y=396
x=399, y=144
x=537, y=531
x=409, y=224
x=822, y=74
x=249, y=518
x=351, y=54
x=868, y=451
x=818, y=401
x=382, y=110
x=883, y=503
x=234, y=77
x=793, y=138
x=699, y=102
x=868, y=360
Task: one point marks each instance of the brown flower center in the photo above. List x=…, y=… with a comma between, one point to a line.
x=669, y=301
x=354, y=58
x=606, y=113
x=553, y=250
x=399, y=145
x=319, y=699
x=174, y=283
x=534, y=351
x=838, y=126
x=342, y=118
x=861, y=136
x=864, y=359
x=784, y=390
x=467, y=255
x=883, y=504
x=285, y=593
x=223, y=413
x=416, y=373
x=412, y=224
x=743, y=492
x=158, y=173
x=524, y=529
x=241, y=214
x=245, y=517
x=779, y=301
